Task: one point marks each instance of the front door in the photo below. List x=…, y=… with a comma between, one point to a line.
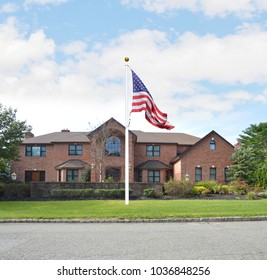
x=34, y=176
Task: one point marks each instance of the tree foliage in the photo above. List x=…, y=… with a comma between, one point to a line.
x=250, y=158
x=12, y=133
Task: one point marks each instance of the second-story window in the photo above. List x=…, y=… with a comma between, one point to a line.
x=35, y=151
x=113, y=146
x=152, y=151
x=75, y=150
x=212, y=144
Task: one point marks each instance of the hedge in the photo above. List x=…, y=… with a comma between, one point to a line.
x=88, y=193
x=16, y=190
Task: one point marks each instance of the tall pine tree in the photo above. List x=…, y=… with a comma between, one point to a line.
x=250, y=158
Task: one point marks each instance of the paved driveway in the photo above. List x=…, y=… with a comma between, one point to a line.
x=114, y=241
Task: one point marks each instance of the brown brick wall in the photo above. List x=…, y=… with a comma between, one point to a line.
x=57, y=153
x=167, y=152
x=202, y=155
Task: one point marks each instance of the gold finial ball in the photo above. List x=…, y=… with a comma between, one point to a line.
x=126, y=59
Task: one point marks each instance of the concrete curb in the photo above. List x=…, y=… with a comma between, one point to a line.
x=177, y=220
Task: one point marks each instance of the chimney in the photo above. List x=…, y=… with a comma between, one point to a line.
x=28, y=134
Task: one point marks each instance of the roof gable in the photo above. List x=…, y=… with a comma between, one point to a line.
x=199, y=143
x=72, y=164
x=109, y=125
x=152, y=164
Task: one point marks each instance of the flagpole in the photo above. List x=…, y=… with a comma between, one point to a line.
x=126, y=59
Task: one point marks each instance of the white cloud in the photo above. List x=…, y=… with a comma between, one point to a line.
x=17, y=51
x=161, y=6
x=76, y=47
x=89, y=84
x=9, y=8
x=44, y=2
x=221, y=8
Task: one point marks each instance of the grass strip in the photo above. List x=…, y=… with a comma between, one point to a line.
x=138, y=209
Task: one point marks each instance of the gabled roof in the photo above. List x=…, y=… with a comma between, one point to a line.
x=67, y=136
x=59, y=137
x=72, y=164
x=199, y=143
x=152, y=164
x=165, y=137
x=106, y=125
x=141, y=136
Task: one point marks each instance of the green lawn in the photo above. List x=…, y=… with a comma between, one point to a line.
x=138, y=209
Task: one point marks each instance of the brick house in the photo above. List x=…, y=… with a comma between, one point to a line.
x=153, y=156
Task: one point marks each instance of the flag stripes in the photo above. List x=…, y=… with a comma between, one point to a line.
x=143, y=101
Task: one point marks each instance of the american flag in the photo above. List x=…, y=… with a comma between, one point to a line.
x=143, y=101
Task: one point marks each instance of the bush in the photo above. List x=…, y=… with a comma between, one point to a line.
x=71, y=193
x=178, y=188
x=221, y=189
x=239, y=188
x=199, y=190
x=251, y=196
x=109, y=179
x=17, y=190
x=206, y=184
x=211, y=186
x=88, y=193
x=151, y=193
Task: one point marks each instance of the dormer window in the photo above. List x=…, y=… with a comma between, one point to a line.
x=212, y=144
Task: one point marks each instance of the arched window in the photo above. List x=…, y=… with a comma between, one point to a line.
x=113, y=146
x=212, y=144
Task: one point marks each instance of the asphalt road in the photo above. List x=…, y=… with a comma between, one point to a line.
x=135, y=241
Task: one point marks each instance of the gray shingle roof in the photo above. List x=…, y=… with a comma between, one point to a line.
x=165, y=137
x=153, y=164
x=72, y=164
x=59, y=137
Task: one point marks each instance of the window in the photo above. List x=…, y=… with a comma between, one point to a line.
x=213, y=173
x=72, y=175
x=114, y=173
x=152, y=151
x=35, y=151
x=212, y=144
x=113, y=146
x=154, y=176
x=198, y=174
x=226, y=175
x=75, y=150
x=139, y=176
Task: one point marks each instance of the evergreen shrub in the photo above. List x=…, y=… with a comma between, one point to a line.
x=151, y=193
x=88, y=193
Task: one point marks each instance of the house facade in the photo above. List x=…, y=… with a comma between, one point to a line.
x=97, y=155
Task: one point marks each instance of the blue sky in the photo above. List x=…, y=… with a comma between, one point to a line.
x=204, y=62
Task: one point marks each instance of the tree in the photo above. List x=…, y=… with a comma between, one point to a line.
x=12, y=133
x=250, y=158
